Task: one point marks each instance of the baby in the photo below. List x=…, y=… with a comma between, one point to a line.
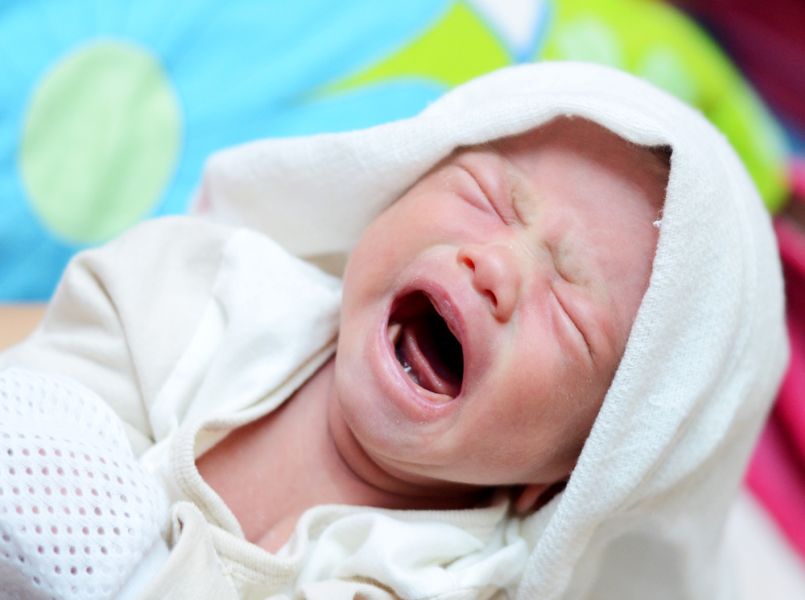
x=484, y=314
x=483, y=318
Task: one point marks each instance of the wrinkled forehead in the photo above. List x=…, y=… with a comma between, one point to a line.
x=591, y=141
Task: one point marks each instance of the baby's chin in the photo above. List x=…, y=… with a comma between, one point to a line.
x=380, y=426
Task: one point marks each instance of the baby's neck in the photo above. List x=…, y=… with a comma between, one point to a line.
x=301, y=455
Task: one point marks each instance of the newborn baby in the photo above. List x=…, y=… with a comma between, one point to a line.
x=484, y=314
x=495, y=337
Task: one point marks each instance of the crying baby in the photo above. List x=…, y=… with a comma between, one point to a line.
x=484, y=314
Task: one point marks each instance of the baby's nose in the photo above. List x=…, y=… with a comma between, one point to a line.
x=495, y=275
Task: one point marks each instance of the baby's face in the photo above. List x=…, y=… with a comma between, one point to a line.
x=486, y=311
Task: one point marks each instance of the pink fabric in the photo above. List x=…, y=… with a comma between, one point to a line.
x=777, y=471
x=767, y=40
x=798, y=178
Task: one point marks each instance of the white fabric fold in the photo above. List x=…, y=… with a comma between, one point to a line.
x=643, y=513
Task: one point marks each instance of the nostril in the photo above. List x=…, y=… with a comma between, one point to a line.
x=467, y=262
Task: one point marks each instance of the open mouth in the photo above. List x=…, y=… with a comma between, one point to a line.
x=427, y=350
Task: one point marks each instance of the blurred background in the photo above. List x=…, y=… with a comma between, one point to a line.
x=109, y=108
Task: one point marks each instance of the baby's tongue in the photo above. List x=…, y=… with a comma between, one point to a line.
x=420, y=351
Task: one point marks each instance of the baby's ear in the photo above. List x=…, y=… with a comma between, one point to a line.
x=534, y=495
x=526, y=500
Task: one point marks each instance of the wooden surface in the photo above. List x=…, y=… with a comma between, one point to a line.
x=17, y=321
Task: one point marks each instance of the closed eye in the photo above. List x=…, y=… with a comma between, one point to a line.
x=572, y=321
x=482, y=199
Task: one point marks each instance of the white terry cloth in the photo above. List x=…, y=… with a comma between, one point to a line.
x=644, y=510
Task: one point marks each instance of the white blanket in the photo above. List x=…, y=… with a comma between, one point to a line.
x=643, y=513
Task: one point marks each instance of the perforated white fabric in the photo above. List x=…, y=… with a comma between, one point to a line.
x=77, y=512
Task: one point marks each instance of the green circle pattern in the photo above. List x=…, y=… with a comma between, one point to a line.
x=101, y=141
